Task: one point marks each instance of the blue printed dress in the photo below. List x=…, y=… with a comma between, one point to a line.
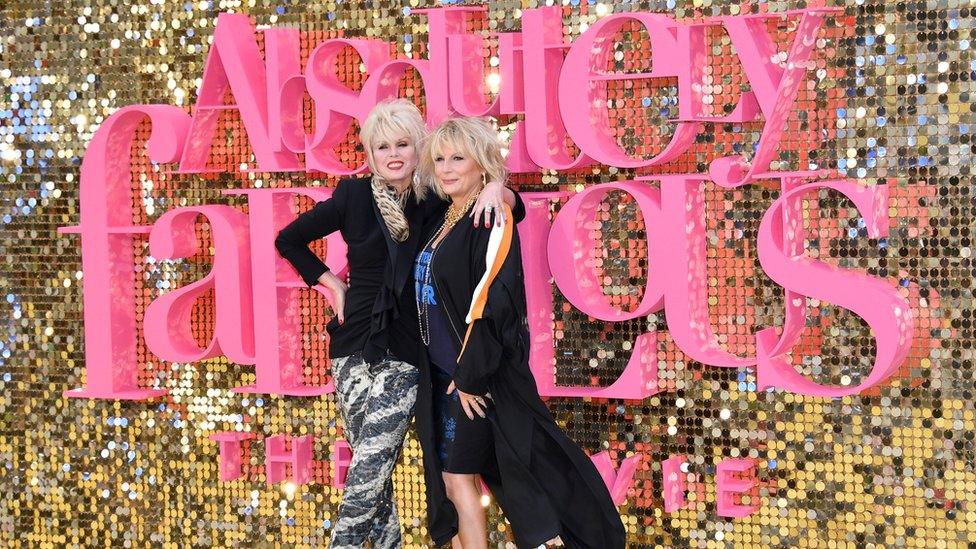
x=462, y=443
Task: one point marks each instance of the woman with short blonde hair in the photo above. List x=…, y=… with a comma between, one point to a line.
x=473, y=136
x=484, y=415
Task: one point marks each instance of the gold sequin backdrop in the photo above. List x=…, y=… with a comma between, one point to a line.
x=888, y=102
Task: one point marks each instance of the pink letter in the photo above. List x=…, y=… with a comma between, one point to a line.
x=692, y=41
x=534, y=238
x=107, y=237
x=456, y=59
x=679, y=250
x=230, y=453
x=168, y=326
x=583, y=88
x=276, y=457
x=675, y=483
x=341, y=460
x=335, y=104
x=278, y=357
x=530, y=63
x=736, y=477
x=794, y=304
x=877, y=302
x=282, y=49
x=775, y=86
x=618, y=482
x=569, y=250
x=234, y=64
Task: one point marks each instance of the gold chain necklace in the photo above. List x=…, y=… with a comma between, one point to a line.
x=455, y=214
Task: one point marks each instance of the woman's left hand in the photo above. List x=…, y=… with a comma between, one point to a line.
x=490, y=202
x=472, y=404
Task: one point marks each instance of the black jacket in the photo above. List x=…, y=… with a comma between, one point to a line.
x=544, y=482
x=375, y=281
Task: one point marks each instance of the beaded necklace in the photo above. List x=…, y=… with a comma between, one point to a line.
x=451, y=218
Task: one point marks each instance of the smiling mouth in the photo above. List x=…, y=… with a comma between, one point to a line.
x=395, y=165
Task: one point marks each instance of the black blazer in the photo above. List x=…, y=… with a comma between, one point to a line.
x=375, y=281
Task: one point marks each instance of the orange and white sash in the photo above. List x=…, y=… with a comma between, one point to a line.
x=499, y=242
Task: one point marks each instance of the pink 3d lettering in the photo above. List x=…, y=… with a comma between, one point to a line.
x=736, y=479
x=876, y=301
x=534, y=239
x=234, y=65
x=531, y=62
x=775, y=85
x=617, y=481
x=341, y=461
x=569, y=251
x=678, y=249
x=107, y=240
x=278, y=341
x=282, y=53
x=231, y=463
x=692, y=42
x=794, y=304
x=277, y=457
x=168, y=324
x=675, y=482
x=336, y=106
x=583, y=88
x=571, y=245
x=456, y=60
x=561, y=95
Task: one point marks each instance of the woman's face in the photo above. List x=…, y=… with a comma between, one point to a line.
x=394, y=158
x=457, y=174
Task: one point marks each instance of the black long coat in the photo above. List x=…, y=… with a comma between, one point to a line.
x=544, y=482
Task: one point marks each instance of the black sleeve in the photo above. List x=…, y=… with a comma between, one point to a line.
x=431, y=205
x=518, y=211
x=481, y=358
x=324, y=218
x=485, y=350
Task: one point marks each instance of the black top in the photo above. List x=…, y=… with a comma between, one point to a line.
x=442, y=347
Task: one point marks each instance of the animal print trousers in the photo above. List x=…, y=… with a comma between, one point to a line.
x=376, y=402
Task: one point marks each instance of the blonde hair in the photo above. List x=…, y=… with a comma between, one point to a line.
x=471, y=136
x=389, y=117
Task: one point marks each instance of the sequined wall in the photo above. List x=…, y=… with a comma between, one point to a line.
x=888, y=102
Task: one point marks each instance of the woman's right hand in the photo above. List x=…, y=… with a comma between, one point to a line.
x=471, y=404
x=338, y=289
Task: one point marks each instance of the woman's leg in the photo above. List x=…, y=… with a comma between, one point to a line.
x=390, y=389
x=465, y=493
x=352, y=382
x=386, y=523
